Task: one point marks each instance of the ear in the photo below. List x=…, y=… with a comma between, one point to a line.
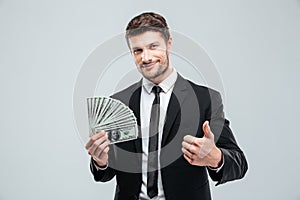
x=129, y=45
x=169, y=43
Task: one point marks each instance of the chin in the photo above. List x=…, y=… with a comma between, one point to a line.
x=149, y=73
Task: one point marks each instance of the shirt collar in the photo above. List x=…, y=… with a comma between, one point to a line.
x=165, y=85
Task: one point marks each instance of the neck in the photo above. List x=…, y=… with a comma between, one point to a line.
x=161, y=78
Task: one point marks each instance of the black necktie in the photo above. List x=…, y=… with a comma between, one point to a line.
x=152, y=187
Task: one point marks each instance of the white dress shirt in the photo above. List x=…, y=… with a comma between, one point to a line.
x=147, y=98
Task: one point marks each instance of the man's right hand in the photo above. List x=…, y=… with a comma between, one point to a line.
x=98, y=147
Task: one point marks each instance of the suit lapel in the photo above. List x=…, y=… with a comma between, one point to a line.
x=134, y=104
x=179, y=93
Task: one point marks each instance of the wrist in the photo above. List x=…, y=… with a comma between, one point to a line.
x=99, y=164
x=216, y=160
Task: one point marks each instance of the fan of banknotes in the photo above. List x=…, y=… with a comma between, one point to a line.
x=112, y=116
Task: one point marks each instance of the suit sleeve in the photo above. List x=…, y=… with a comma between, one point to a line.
x=235, y=163
x=103, y=175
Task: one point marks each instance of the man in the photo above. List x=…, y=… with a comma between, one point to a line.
x=183, y=132
x=113, y=135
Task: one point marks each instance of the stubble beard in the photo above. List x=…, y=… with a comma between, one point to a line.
x=161, y=70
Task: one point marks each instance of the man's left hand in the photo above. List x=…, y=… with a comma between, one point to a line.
x=202, y=151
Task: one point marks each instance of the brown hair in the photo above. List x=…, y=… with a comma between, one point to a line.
x=148, y=21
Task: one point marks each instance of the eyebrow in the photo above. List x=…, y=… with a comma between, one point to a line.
x=156, y=42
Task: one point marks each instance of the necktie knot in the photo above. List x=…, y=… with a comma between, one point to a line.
x=156, y=89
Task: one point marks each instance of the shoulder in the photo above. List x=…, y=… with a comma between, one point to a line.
x=208, y=99
x=202, y=91
x=126, y=94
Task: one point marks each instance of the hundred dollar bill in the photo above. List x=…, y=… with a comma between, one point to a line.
x=120, y=135
x=112, y=116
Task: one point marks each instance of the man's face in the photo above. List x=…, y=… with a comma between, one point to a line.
x=151, y=55
x=114, y=135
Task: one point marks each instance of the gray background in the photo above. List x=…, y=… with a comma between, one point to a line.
x=254, y=44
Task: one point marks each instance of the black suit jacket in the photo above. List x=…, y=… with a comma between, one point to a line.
x=190, y=105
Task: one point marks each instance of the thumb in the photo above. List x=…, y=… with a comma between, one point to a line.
x=206, y=130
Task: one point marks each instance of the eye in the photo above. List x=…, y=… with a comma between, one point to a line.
x=153, y=46
x=137, y=51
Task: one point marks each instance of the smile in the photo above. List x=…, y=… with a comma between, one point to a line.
x=149, y=65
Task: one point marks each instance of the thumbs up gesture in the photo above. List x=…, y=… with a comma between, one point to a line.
x=202, y=151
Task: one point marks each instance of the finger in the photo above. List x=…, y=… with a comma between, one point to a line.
x=92, y=150
x=193, y=149
x=104, y=154
x=206, y=130
x=187, y=153
x=102, y=158
x=189, y=139
x=101, y=161
x=102, y=149
x=94, y=138
x=188, y=159
x=96, y=144
x=186, y=145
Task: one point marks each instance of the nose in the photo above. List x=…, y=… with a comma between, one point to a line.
x=146, y=56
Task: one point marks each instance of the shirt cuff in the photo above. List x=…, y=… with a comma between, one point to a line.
x=98, y=167
x=219, y=168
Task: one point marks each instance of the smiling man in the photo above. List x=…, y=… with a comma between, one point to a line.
x=183, y=133
x=151, y=53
